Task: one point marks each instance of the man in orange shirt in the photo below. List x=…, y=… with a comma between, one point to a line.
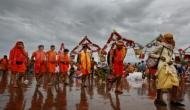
x=51, y=63
x=18, y=62
x=39, y=57
x=4, y=64
x=84, y=61
x=64, y=63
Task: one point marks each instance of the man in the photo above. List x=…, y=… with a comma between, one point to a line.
x=39, y=57
x=164, y=54
x=64, y=63
x=84, y=61
x=18, y=62
x=143, y=66
x=51, y=63
x=4, y=64
x=118, y=56
x=93, y=64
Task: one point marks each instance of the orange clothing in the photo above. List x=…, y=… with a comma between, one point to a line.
x=40, y=62
x=118, y=57
x=18, y=60
x=4, y=64
x=64, y=62
x=85, y=62
x=51, y=61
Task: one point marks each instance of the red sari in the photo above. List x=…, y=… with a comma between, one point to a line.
x=18, y=60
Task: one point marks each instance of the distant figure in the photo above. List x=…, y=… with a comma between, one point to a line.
x=4, y=64
x=18, y=62
x=143, y=66
x=64, y=63
x=39, y=58
x=143, y=69
x=93, y=64
x=51, y=64
x=139, y=67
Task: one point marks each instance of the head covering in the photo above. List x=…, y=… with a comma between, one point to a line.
x=168, y=35
x=168, y=38
x=120, y=43
x=19, y=42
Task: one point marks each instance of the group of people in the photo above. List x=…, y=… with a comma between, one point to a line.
x=46, y=63
x=160, y=64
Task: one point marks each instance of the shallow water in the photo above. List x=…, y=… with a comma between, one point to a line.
x=73, y=97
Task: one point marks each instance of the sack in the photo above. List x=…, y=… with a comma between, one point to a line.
x=152, y=62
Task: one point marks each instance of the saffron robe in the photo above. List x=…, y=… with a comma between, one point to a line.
x=64, y=62
x=117, y=63
x=85, y=62
x=40, y=62
x=4, y=64
x=18, y=60
x=51, y=61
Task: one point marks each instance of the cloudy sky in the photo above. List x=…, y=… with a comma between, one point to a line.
x=54, y=21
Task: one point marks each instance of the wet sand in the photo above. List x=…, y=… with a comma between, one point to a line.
x=137, y=95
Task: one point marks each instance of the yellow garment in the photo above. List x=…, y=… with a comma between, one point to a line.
x=85, y=62
x=167, y=77
x=167, y=54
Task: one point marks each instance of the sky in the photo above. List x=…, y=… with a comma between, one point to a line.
x=54, y=21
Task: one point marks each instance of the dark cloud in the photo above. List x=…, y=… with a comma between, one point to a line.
x=54, y=21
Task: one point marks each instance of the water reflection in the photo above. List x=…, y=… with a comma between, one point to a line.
x=3, y=83
x=50, y=100
x=83, y=104
x=37, y=100
x=116, y=105
x=61, y=99
x=94, y=96
x=16, y=99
